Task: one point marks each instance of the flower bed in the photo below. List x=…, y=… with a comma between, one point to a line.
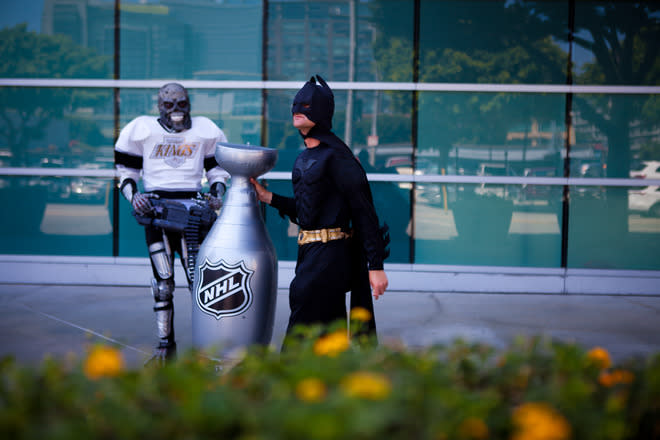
x=322, y=387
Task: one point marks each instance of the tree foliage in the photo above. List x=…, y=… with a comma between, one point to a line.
x=27, y=111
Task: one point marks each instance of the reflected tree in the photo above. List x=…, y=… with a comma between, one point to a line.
x=27, y=111
x=624, y=40
x=492, y=42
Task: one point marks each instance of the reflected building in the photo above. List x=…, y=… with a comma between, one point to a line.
x=434, y=96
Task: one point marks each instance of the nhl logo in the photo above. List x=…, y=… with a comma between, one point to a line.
x=223, y=289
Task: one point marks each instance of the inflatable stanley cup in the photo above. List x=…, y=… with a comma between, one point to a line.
x=235, y=284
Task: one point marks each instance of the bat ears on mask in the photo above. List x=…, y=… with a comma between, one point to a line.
x=321, y=82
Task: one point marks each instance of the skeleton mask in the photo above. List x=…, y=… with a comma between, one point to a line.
x=174, y=107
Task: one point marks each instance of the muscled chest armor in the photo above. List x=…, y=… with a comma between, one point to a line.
x=319, y=203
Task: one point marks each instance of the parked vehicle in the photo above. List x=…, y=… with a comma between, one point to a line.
x=646, y=169
x=538, y=192
x=645, y=200
x=505, y=191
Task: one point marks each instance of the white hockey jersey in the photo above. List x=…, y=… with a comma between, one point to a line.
x=169, y=161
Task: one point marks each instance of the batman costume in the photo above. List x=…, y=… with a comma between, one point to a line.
x=340, y=239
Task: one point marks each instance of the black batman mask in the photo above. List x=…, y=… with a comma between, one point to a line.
x=317, y=103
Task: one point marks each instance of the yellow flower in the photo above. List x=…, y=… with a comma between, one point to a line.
x=473, y=428
x=616, y=377
x=103, y=361
x=366, y=385
x=332, y=344
x=600, y=357
x=311, y=389
x=360, y=314
x=539, y=421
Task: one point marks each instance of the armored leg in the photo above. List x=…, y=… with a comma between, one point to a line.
x=164, y=308
x=162, y=288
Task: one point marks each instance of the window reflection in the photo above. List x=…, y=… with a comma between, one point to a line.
x=614, y=134
x=511, y=225
x=310, y=37
x=56, y=215
x=493, y=41
x=491, y=134
x=617, y=228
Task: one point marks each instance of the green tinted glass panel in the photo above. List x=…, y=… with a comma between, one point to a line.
x=56, y=216
x=614, y=228
x=615, y=136
x=317, y=37
x=493, y=41
x=280, y=132
x=201, y=40
x=490, y=134
x=392, y=201
x=490, y=225
x=616, y=43
x=56, y=127
x=57, y=39
x=282, y=232
x=236, y=112
x=379, y=129
x=131, y=234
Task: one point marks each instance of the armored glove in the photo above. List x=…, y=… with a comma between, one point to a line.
x=141, y=203
x=215, y=203
x=215, y=196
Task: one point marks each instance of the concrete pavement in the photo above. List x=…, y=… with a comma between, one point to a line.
x=39, y=320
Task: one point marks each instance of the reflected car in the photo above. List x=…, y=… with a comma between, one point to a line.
x=646, y=169
x=89, y=188
x=505, y=191
x=428, y=192
x=538, y=192
x=645, y=201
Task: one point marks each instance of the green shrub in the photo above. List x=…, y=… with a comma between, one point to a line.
x=535, y=389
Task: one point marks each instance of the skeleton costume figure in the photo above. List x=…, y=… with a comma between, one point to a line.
x=341, y=245
x=170, y=155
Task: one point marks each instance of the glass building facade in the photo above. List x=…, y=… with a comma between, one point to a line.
x=496, y=133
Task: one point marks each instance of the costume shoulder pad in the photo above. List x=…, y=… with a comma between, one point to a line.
x=141, y=128
x=205, y=127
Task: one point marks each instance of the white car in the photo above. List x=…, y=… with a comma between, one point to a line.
x=645, y=200
x=646, y=169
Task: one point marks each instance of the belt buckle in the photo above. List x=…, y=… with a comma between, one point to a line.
x=324, y=235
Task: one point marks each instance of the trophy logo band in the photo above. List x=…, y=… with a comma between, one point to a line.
x=224, y=289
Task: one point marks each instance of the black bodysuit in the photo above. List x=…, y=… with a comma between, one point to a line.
x=331, y=191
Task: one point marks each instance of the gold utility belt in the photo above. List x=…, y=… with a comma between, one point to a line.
x=321, y=235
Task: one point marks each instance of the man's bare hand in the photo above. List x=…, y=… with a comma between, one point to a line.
x=378, y=281
x=262, y=193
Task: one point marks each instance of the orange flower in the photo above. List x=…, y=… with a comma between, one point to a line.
x=366, y=385
x=609, y=379
x=360, y=314
x=103, y=361
x=332, y=344
x=539, y=421
x=473, y=428
x=311, y=389
x=599, y=357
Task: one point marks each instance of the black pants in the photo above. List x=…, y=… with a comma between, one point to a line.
x=317, y=294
